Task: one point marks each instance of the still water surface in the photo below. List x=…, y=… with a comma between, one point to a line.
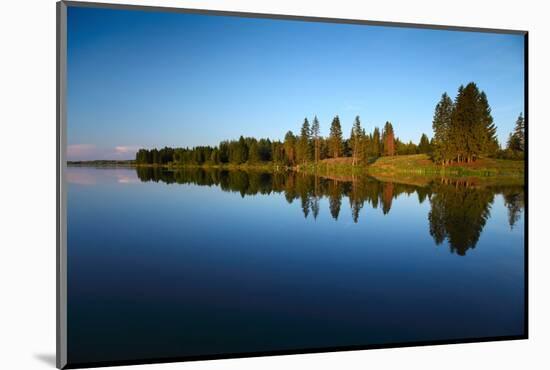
x=169, y=264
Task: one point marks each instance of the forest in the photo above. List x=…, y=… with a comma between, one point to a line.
x=463, y=132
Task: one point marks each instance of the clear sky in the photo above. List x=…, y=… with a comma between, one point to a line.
x=152, y=79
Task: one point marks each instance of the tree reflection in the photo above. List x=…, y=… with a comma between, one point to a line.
x=514, y=202
x=458, y=212
x=335, y=198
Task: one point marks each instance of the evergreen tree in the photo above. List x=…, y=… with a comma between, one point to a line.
x=424, y=144
x=224, y=152
x=335, y=141
x=215, y=156
x=365, y=145
x=516, y=142
x=442, y=130
x=468, y=123
x=389, y=139
x=472, y=131
x=303, y=148
x=376, y=142
x=316, y=137
x=488, y=131
x=238, y=151
x=520, y=132
x=356, y=141
x=324, y=148
x=277, y=152
x=155, y=156
x=264, y=150
x=254, y=152
x=290, y=148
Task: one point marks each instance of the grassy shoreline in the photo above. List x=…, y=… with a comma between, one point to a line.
x=402, y=167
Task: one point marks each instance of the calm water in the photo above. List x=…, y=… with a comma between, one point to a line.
x=170, y=264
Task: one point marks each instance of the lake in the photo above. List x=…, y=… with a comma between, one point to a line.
x=166, y=264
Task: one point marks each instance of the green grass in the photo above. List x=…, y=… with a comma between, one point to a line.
x=421, y=164
x=420, y=170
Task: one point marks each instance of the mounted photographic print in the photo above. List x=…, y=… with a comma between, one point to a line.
x=234, y=184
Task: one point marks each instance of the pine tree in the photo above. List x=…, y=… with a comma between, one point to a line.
x=389, y=139
x=365, y=145
x=464, y=128
x=290, y=148
x=472, y=132
x=277, y=152
x=356, y=141
x=215, y=156
x=238, y=151
x=517, y=138
x=303, y=149
x=489, y=142
x=224, y=151
x=376, y=142
x=520, y=132
x=335, y=141
x=254, y=152
x=315, y=136
x=424, y=144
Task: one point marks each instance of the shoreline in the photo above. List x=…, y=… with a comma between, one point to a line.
x=411, y=169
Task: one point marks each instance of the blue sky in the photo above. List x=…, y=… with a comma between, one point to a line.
x=152, y=79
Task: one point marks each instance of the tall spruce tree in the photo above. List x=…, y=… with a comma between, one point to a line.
x=441, y=125
x=488, y=139
x=335, y=141
x=472, y=133
x=365, y=145
x=516, y=142
x=303, y=149
x=356, y=141
x=316, y=137
x=465, y=123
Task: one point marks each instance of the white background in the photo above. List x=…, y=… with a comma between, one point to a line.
x=27, y=183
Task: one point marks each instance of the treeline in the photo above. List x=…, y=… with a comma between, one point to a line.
x=464, y=129
x=306, y=147
x=103, y=163
x=458, y=212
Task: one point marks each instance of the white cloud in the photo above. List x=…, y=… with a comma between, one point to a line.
x=124, y=149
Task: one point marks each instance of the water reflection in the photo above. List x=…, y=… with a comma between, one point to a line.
x=514, y=201
x=459, y=213
x=459, y=209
